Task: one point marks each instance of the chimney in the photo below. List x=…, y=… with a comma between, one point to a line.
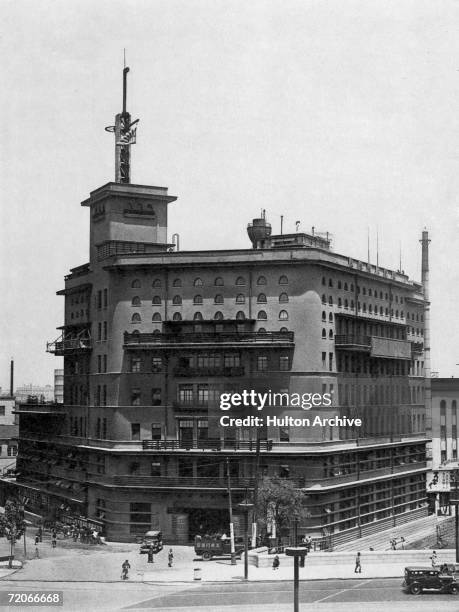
x=427, y=373
x=11, y=378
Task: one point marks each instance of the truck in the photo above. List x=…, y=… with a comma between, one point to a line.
x=217, y=546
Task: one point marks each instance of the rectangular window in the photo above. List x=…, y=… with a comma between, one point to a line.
x=135, y=397
x=104, y=395
x=262, y=363
x=324, y=360
x=155, y=468
x=284, y=435
x=156, y=431
x=105, y=330
x=203, y=394
x=135, y=363
x=12, y=451
x=135, y=431
x=284, y=363
x=99, y=331
x=156, y=364
x=105, y=363
x=99, y=364
x=185, y=394
x=98, y=428
x=232, y=360
x=104, y=429
x=100, y=463
x=208, y=361
x=98, y=395
x=2, y=410
x=203, y=429
x=105, y=298
x=330, y=362
x=99, y=300
x=156, y=397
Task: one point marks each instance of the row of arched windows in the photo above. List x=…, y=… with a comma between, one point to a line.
x=218, y=282
x=218, y=299
x=371, y=292
x=240, y=316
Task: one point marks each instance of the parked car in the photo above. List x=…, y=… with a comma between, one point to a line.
x=216, y=546
x=419, y=579
x=152, y=540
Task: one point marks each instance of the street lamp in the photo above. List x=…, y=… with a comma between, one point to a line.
x=245, y=506
x=296, y=552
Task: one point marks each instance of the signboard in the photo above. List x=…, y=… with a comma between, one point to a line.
x=439, y=481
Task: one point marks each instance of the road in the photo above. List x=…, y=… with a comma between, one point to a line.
x=377, y=595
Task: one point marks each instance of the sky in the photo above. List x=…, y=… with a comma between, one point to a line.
x=343, y=115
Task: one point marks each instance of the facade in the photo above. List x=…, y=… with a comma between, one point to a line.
x=152, y=336
x=8, y=435
x=59, y=386
x=40, y=393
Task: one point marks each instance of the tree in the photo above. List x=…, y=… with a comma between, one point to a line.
x=12, y=525
x=279, y=499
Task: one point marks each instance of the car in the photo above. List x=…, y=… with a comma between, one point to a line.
x=419, y=579
x=152, y=541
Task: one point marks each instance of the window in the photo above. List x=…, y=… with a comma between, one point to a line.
x=262, y=363
x=105, y=363
x=324, y=333
x=232, y=360
x=136, y=318
x=330, y=282
x=197, y=316
x=262, y=316
x=197, y=282
x=219, y=281
x=324, y=298
x=177, y=316
x=12, y=451
x=156, y=301
x=185, y=394
x=156, y=283
x=99, y=300
x=283, y=298
x=203, y=394
x=135, y=363
x=156, y=364
x=240, y=316
x=240, y=280
x=140, y=517
x=177, y=299
x=283, y=330
x=345, y=287
x=218, y=299
x=261, y=280
x=105, y=298
x=218, y=316
x=340, y=303
x=156, y=397
x=135, y=431
x=261, y=299
x=330, y=301
x=261, y=330
x=330, y=334
x=330, y=317
x=155, y=467
x=156, y=431
x=324, y=360
x=284, y=363
x=284, y=434
x=283, y=280
x=240, y=298
x=177, y=283
x=339, y=284
x=283, y=315
x=324, y=315
x=324, y=281
x=156, y=317
x=136, y=284
x=135, y=397
x=136, y=301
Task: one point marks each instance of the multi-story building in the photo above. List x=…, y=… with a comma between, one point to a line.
x=153, y=335
x=8, y=435
x=59, y=386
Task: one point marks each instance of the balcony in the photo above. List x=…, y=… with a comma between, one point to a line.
x=189, y=372
x=417, y=347
x=68, y=346
x=353, y=343
x=188, y=340
x=172, y=482
x=389, y=348
x=210, y=444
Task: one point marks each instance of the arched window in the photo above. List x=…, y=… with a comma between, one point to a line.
x=177, y=316
x=330, y=282
x=218, y=316
x=261, y=299
x=261, y=280
x=381, y=295
x=396, y=314
x=387, y=312
x=177, y=283
x=240, y=280
x=330, y=300
x=240, y=298
x=135, y=301
x=324, y=281
x=352, y=304
x=197, y=316
x=352, y=287
x=330, y=317
x=330, y=334
x=370, y=308
x=340, y=303
x=156, y=300
x=283, y=298
x=346, y=304
x=283, y=330
x=218, y=299
x=324, y=299
x=197, y=299
x=156, y=283
x=324, y=315
x=364, y=307
x=197, y=282
x=262, y=316
x=345, y=287
x=262, y=330
x=370, y=293
x=177, y=299
x=442, y=408
x=240, y=316
x=136, y=284
x=283, y=315
x=381, y=311
x=218, y=281
x=401, y=314
x=156, y=317
x=136, y=318
x=283, y=280
x=324, y=333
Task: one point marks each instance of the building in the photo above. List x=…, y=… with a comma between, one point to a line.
x=41, y=393
x=9, y=431
x=152, y=336
x=59, y=386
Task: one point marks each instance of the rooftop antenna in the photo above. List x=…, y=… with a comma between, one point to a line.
x=282, y=223
x=297, y=223
x=400, y=257
x=125, y=135
x=368, y=243
x=377, y=247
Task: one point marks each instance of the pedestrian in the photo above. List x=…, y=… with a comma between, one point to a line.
x=433, y=558
x=54, y=539
x=358, y=566
x=276, y=562
x=125, y=570
x=402, y=540
x=150, y=555
x=170, y=557
x=40, y=533
x=37, y=539
x=37, y=554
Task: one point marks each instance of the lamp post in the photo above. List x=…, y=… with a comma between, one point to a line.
x=296, y=552
x=245, y=506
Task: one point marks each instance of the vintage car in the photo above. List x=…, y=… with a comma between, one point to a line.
x=217, y=546
x=419, y=579
x=152, y=540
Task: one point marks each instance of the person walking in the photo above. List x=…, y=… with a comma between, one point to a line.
x=170, y=557
x=125, y=570
x=433, y=558
x=40, y=533
x=54, y=539
x=358, y=566
x=37, y=553
x=276, y=562
x=150, y=555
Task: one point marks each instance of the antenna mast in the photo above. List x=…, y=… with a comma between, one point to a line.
x=125, y=136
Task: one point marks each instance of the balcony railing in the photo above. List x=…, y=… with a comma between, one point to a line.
x=189, y=372
x=212, y=444
x=137, y=340
x=353, y=342
x=66, y=346
x=173, y=482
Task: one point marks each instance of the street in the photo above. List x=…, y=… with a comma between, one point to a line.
x=332, y=595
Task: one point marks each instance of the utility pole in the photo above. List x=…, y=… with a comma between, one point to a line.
x=255, y=492
x=230, y=502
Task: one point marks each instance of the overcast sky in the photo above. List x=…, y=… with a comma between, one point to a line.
x=343, y=115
